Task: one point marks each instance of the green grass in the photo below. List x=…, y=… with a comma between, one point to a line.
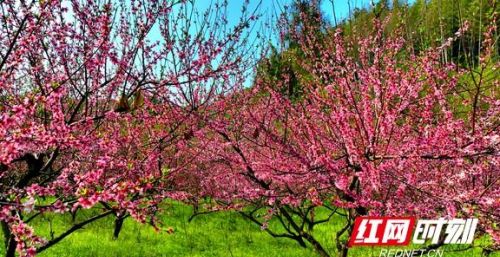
x=216, y=234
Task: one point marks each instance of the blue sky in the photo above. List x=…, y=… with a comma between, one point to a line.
x=269, y=6
x=269, y=9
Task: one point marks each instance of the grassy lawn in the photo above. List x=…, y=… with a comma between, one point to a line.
x=216, y=234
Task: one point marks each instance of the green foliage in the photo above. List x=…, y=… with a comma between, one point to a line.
x=428, y=23
x=283, y=67
x=424, y=24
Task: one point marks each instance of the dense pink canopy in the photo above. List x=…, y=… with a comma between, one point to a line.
x=97, y=113
x=379, y=134
x=97, y=101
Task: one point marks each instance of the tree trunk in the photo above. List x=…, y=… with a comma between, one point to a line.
x=11, y=248
x=6, y=233
x=317, y=245
x=118, y=226
x=301, y=242
x=342, y=251
x=10, y=242
x=342, y=248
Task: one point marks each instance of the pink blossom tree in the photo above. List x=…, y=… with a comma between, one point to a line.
x=98, y=100
x=380, y=130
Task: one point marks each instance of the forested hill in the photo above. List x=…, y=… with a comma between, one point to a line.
x=422, y=24
x=428, y=23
